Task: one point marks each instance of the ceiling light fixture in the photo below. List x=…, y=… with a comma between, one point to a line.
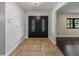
x=36, y=2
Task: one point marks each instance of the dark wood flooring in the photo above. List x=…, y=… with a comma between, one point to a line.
x=68, y=45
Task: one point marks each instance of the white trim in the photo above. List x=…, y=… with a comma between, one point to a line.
x=7, y=54
x=53, y=41
x=26, y=37
x=67, y=35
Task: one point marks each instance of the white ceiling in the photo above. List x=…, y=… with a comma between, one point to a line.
x=72, y=7
x=42, y=6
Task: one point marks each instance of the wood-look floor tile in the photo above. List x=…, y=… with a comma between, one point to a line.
x=35, y=53
x=36, y=47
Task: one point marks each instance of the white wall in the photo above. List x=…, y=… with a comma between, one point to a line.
x=53, y=21
x=15, y=30
x=35, y=13
x=61, y=25
x=2, y=28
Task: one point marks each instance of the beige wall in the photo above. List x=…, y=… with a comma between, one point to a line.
x=62, y=31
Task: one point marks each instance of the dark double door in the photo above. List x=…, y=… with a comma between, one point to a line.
x=38, y=26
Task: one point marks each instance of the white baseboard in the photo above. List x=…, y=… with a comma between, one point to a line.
x=67, y=35
x=25, y=37
x=7, y=54
x=53, y=41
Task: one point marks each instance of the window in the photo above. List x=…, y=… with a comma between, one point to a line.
x=72, y=23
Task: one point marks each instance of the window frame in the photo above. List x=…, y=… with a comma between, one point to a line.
x=73, y=23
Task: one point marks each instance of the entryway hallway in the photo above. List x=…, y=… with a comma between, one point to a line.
x=15, y=25
x=36, y=47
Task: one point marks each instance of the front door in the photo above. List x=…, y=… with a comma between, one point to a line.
x=38, y=26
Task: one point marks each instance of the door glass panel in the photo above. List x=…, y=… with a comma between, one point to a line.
x=33, y=25
x=43, y=25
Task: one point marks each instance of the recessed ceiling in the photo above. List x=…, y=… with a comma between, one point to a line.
x=42, y=6
x=72, y=7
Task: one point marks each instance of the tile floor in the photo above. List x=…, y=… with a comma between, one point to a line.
x=36, y=47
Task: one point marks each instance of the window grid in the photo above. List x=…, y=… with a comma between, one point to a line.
x=72, y=23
